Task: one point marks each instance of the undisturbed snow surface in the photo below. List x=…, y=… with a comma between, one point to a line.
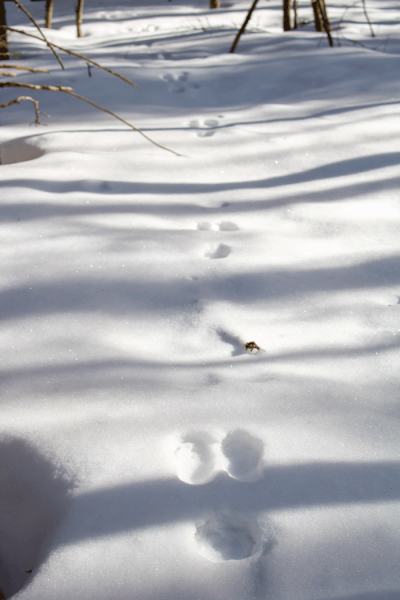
x=144, y=453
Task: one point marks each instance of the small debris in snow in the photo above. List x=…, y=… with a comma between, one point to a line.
x=250, y=346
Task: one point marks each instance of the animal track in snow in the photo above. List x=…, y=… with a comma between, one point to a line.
x=178, y=83
x=220, y=251
x=199, y=457
x=244, y=455
x=223, y=226
x=226, y=537
x=205, y=127
x=205, y=226
x=195, y=458
x=228, y=226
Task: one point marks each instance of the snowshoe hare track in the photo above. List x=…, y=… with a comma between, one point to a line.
x=226, y=537
x=219, y=251
x=199, y=457
x=178, y=83
x=244, y=455
x=195, y=459
x=205, y=127
x=223, y=226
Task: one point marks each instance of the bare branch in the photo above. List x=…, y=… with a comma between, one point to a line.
x=75, y=54
x=35, y=102
x=79, y=13
x=20, y=68
x=68, y=90
x=40, y=31
x=5, y=74
x=49, y=13
x=34, y=86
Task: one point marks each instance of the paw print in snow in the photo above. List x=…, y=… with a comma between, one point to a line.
x=244, y=455
x=227, y=537
x=178, y=83
x=195, y=458
x=223, y=226
x=206, y=127
x=218, y=251
x=199, y=457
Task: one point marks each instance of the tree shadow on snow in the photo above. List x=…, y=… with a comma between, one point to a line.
x=143, y=296
x=352, y=166
x=159, y=502
x=106, y=374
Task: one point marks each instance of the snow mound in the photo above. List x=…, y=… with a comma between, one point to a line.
x=19, y=150
x=34, y=496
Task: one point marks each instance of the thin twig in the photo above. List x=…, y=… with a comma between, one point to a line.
x=68, y=90
x=75, y=54
x=5, y=74
x=40, y=31
x=358, y=43
x=35, y=102
x=243, y=27
x=367, y=17
x=338, y=27
x=20, y=68
x=34, y=86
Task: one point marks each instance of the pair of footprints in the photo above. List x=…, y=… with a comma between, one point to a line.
x=199, y=457
x=178, y=83
x=221, y=250
x=204, y=127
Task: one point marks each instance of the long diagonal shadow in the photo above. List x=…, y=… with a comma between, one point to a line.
x=162, y=501
x=343, y=168
x=121, y=296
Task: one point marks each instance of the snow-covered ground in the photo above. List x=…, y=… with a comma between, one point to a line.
x=144, y=453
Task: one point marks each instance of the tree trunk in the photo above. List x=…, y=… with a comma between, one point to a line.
x=243, y=27
x=324, y=14
x=3, y=32
x=215, y=4
x=49, y=13
x=325, y=21
x=79, y=13
x=317, y=15
x=286, y=15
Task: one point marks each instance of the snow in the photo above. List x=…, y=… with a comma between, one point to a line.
x=144, y=452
